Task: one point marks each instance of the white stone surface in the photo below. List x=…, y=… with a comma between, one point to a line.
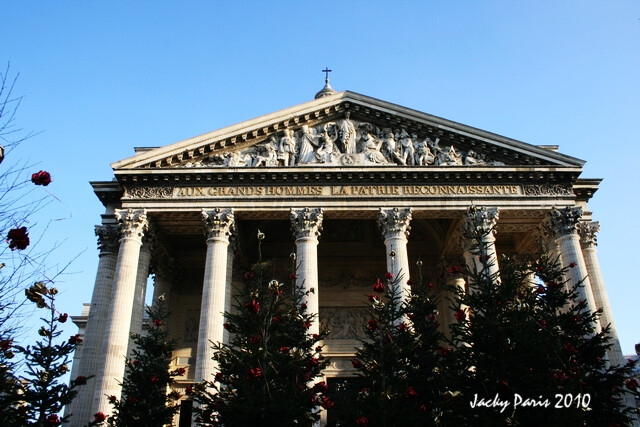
x=116, y=336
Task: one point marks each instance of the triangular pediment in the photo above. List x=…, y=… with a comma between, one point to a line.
x=346, y=129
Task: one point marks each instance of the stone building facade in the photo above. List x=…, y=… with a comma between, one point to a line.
x=344, y=181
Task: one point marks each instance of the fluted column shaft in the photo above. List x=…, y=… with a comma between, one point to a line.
x=116, y=335
x=219, y=225
x=137, y=315
x=588, y=242
x=228, y=299
x=395, y=228
x=306, y=225
x=92, y=347
x=564, y=222
x=447, y=315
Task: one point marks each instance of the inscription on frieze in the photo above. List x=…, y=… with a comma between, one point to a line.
x=346, y=190
x=311, y=191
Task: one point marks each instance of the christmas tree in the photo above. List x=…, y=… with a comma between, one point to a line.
x=41, y=394
x=399, y=361
x=145, y=396
x=527, y=350
x=11, y=410
x=267, y=373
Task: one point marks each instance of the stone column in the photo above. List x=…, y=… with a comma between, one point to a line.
x=394, y=225
x=228, y=297
x=219, y=225
x=306, y=225
x=92, y=347
x=564, y=223
x=588, y=242
x=163, y=268
x=142, y=277
x=480, y=231
x=116, y=335
x=447, y=315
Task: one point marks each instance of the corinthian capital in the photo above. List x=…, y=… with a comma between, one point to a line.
x=588, y=233
x=306, y=222
x=133, y=223
x=394, y=222
x=564, y=221
x=218, y=223
x=107, y=238
x=480, y=221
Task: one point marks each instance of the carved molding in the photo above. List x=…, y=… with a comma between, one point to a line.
x=344, y=280
x=564, y=221
x=306, y=222
x=588, y=232
x=480, y=221
x=394, y=222
x=148, y=192
x=218, y=223
x=133, y=223
x=517, y=228
x=107, y=238
x=548, y=190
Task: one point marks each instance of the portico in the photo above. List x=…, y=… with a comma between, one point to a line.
x=352, y=185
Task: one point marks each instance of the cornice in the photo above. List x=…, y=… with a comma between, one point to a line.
x=585, y=188
x=109, y=192
x=308, y=175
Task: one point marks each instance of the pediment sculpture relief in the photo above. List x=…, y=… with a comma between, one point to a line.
x=346, y=142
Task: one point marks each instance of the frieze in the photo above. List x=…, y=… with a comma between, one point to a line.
x=548, y=190
x=312, y=191
x=346, y=142
x=265, y=191
x=148, y=192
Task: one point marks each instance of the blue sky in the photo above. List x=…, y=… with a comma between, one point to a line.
x=99, y=78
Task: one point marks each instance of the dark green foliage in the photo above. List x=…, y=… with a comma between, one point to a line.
x=145, y=400
x=268, y=371
x=531, y=339
x=11, y=413
x=399, y=361
x=40, y=394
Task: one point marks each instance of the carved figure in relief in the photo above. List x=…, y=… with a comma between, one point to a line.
x=269, y=154
x=307, y=145
x=424, y=156
x=472, y=158
x=451, y=157
x=328, y=152
x=406, y=148
x=344, y=323
x=233, y=159
x=445, y=157
x=346, y=142
x=371, y=149
x=491, y=162
x=391, y=149
x=346, y=134
x=287, y=149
